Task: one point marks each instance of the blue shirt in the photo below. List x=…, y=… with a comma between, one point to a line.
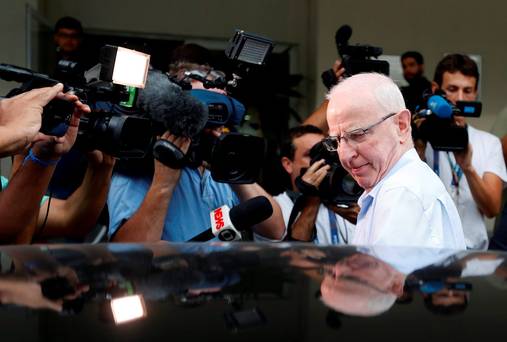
x=188, y=213
x=409, y=207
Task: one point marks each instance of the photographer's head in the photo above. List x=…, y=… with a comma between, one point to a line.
x=369, y=126
x=68, y=35
x=295, y=149
x=412, y=63
x=457, y=76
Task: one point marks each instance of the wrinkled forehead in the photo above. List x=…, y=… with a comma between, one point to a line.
x=348, y=109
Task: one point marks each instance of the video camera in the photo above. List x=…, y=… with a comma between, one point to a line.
x=233, y=158
x=439, y=127
x=338, y=186
x=117, y=134
x=355, y=58
x=246, y=51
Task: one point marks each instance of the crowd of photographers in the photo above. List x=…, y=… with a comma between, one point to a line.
x=170, y=194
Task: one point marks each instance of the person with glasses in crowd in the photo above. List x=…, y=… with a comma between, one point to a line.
x=404, y=203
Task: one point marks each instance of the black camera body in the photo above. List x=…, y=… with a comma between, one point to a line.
x=118, y=134
x=338, y=186
x=356, y=59
x=439, y=127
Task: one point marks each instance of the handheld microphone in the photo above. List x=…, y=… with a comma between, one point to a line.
x=227, y=224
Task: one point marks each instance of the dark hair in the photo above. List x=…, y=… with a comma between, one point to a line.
x=69, y=23
x=456, y=63
x=287, y=148
x=445, y=310
x=415, y=55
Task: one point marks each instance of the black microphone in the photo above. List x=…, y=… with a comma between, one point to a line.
x=342, y=36
x=227, y=223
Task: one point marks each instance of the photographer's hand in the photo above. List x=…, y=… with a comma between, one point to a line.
x=49, y=147
x=318, y=117
x=486, y=190
x=339, y=70
x=304, y=225
x=316, y=173
x=21, y=117
x=350, y=213
x=147, y=224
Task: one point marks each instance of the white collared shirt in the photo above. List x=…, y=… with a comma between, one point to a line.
x=487, y=156
x=409, y=207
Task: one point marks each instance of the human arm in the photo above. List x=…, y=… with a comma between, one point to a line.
x=274, y=226
x=76, y=215
x=486, y=190
x=19, y=203
x=318, y=117
x=147, y=223
x=303, y=227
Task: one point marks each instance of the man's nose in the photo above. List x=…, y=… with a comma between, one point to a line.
x=346, y=152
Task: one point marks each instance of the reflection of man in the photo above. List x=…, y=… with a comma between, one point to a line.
x=361, y=285
x=316, y=221
x=473, y=177
x=412, y=63
x=404, y=202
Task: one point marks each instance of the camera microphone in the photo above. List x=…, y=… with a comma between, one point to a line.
x=227, y=224
x=440, y=106
x=342, y=36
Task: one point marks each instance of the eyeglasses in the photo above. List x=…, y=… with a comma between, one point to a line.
x=353, y=137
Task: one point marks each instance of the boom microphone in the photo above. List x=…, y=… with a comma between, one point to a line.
x=175, y=109
x=227, y=224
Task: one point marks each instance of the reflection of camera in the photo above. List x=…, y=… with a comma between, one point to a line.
x=338, y=187
x=355, y=58
x=117, y=134
x=439, y=127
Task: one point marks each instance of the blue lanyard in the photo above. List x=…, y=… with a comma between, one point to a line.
x=333, y=227
x=456, y=170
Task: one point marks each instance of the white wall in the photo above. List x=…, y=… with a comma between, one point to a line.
x=433, y=27
x=12, y=45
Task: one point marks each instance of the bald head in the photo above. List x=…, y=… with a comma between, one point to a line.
x=370, y=104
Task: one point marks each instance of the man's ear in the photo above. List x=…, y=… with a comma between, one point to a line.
x=434, y=87
x=404, y=121
x=287, y=165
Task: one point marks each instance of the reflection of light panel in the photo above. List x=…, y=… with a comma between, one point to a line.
x=131, y=67
x=126, y=309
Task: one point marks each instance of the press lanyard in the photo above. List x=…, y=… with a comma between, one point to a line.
x=333, y=227
x=456, y=171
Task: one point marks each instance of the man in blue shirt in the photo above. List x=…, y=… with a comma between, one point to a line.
x=162, y=203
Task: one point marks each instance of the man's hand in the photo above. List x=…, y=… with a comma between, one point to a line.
x=350, y=213
x=21, y=117
x=316, y=173
x=50, y=147
x=339, y=70
x=464, y=158
x=165, y=175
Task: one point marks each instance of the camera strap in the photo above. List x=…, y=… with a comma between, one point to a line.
x=456, y=170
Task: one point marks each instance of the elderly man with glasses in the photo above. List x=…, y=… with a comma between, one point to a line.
x=404, y=203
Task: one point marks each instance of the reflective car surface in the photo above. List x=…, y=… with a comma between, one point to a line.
x=249, y=292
